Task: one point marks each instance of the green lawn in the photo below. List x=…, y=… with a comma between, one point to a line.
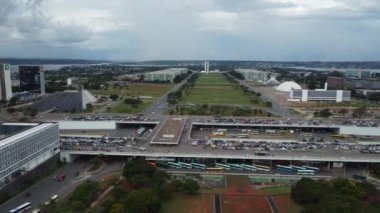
x=276, y=190
x=215, y=89
x=122, y=108
x=148, y=92
x=137, y=89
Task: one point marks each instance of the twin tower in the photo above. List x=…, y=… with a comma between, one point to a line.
x=32, y=79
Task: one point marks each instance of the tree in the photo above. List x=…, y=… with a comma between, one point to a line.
x=325, y=113
x=11, y=110
x=89, y=107
x=117, y=208
x=143, y=200
x=133, y=170
x=306, y=191
x=359, y=112
x=114, y=97
x=191, y=186
x=343, y=111
x=178, y=185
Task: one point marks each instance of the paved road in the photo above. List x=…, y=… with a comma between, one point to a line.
x=42, y=191
x=157, y=109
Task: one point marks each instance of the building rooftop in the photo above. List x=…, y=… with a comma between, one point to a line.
x=170, y=131
x=10, y=132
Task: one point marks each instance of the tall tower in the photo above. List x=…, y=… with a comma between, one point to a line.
x=42, y=80
x=207, y=66
x=5, y=82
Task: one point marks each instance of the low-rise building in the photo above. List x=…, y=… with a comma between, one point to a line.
x=305, y=95
x=354, y=83
x=253, y=75
x=166, y=75
x=24, y=146
x=335, y=82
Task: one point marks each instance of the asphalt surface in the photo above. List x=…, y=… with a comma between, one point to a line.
x=157, y=109
x=45, y=189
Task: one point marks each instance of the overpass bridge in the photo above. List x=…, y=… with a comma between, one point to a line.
x=69, y=155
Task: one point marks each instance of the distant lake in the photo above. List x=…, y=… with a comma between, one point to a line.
x=334, y=69
x=14, y=68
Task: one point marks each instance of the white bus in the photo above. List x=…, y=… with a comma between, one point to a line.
x=262, y=168
x=54, y=198
x=21, y=208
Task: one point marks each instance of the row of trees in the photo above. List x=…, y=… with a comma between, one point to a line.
x=174, y=97
x=181, y=77
x=77, y=202
x=356, y=113
x=237, y=75
x=255, y=96
x=337, y=195
x=221, y=110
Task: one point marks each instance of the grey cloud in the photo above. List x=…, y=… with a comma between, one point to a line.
x=25, y=19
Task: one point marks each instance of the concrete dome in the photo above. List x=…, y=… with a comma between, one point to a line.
x=287, y=86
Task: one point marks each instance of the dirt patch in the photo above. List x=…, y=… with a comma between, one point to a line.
x=282, y=202
x=190, y=204
x=245, y=204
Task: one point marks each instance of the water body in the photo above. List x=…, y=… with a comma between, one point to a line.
x=335, y=69
x=53, y=67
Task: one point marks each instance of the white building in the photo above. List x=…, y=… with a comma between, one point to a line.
x=5, y=82
x=24, y=146
x=253, y=75
x=288, y=86
x=305, y=95
x=165, y=75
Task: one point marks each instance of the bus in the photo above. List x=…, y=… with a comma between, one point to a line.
x=254, y=132
x=242, y=135
x=306, y=134
x=141, y=130
x=214, y=169
x=285, y=168
x=224, y=166
x=359, y=177
x=236, y=166
x=21, y=208
x=261, y=153
x=296, y=168
x=185, y=165
x=54, y=198
x=306, y=172
x=340, y=136
x=249, y=167
x=316, y=169
x=262, y=168
x=198, y=166
x=174, y=165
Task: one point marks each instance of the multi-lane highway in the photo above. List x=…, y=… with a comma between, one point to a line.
x=42, y=191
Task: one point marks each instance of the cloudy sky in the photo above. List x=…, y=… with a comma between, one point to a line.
x=191, y=29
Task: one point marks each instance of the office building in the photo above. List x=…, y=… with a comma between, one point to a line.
x=32, y=79
x=167, y=75
x=352, y=73
x=335, y=83
x=253, y=75
x=353, y=83
x=5, y=82
x=305, y=95
x=24, y=146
